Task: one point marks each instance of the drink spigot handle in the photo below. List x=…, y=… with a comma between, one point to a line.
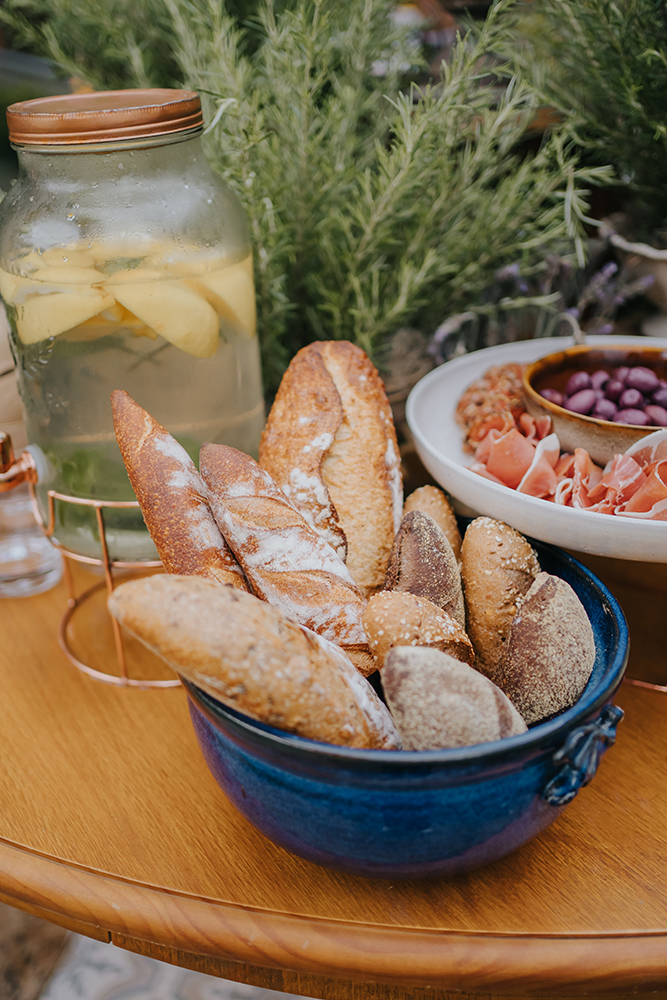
x=14, y=472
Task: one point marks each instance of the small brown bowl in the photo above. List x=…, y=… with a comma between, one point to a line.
x=602, y=439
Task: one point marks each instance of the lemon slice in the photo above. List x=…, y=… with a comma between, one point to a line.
x=48, y=315
x=69, y=276
x=175, y=312
x=231, y=292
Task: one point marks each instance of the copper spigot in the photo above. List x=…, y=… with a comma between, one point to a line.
x=13, y=472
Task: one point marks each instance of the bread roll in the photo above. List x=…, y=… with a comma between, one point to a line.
x=433, y=501
x=422, y=563
x=550, y=651
x=438, y=702
x=173, y=497
x=396, y=619
x=249, y=656
x=285, y=561
x=330, y=444
x=497, y=568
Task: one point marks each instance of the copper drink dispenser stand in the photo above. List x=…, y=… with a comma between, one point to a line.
x=13, y=472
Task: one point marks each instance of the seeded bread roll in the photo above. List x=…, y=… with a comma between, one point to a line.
x=550, y=650
x=173, y=497
x=249, y=656
x=498, y=567
x=439, y=702
x=286, y=562
x=433, y=501
x=395, y=619
x=422, y=563
x=330, y=444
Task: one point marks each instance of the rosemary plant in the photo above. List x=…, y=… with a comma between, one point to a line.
x=604, y=66
x=374, y=203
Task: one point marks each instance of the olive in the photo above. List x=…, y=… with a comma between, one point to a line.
x=604, y=409
x=631, y=399
x=581, y=402
x=632, y=417
x=577, y=382
x=613, y=389
x=643, y=379
x=553, y=395
x=599, y=379
x=658, y=415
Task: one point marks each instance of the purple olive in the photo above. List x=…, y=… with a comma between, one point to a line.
x=577, y=382
x=620, y=374
x=604, y=409
x=599, y=379
x=553, y=396
x=581, y=402
x=613, y=389
x=657, y=414
x=632, y=417
x=642, y=378
x=631, y=399
x=659, y=397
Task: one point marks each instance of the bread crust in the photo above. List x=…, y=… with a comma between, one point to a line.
x=433, y=501
x=252, y=658
x=423, y=563
x=547, y=665
x=498, y=567
x=286, y=562
x=173, y=497
x=401, y=619
x=439, y=702
x=357, y=471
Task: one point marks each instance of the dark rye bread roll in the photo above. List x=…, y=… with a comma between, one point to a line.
x=423, y=563
x=251, y=657
x=498, y=567
x=438, y=702
x=330, y=444
x=286, y=562
x=433, y=501
x=173, y=497
x=550, y=650
x=401, y=619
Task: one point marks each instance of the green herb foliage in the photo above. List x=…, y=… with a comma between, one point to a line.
x=604, y=65
x=374, y=203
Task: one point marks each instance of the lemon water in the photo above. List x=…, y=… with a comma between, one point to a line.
x=184, y=347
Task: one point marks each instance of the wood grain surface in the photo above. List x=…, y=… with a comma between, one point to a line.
x=111, y=823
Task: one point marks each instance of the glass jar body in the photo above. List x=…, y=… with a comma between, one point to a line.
x=126, y=269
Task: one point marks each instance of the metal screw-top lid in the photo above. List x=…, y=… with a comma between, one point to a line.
x=103, y=117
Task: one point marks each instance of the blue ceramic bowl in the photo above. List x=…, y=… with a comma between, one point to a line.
x=421, y=813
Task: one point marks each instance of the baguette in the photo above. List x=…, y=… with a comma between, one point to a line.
x=286, y=562
x=394, y=619
x=423, y=563
x=330, y=444
x=249, y=656
x=430, y=500
x=173, y=497
x=498, y=567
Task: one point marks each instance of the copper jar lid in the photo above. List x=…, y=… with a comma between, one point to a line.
x=102, y=117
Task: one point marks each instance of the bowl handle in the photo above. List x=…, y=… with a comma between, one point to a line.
x=580, y=755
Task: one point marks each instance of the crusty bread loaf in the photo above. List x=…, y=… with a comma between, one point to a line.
x=285, y=561
x=330, y=444
x=438, y=702
x=422, y=563
x=433, y=501
x=251, y=657
x=497, y=568
x=400, y=619
x=550, y=651
x=173, y=497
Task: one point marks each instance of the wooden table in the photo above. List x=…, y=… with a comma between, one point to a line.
x=111, y=824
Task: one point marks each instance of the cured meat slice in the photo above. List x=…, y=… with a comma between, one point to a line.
x=510, y=458
x=585, y=478
x=649, y=449
x=621, y=481
x=650, y=500
x=541, y=480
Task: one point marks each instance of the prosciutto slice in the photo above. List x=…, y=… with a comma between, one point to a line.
x=540, y=480
x=650, y=500
x=510, y=458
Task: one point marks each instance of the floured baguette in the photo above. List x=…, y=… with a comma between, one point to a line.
x=432, y=501
x=330, y=444
x=249, y=656
x=172, y=496
x=423, y=563
x=439, y=702
x=550, y=650
x=394, y=619
x=286, y=562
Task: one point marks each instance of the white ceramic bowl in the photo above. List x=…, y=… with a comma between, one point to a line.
x=430, y=414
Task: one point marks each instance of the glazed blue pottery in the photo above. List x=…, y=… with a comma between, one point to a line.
x=413, y=814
